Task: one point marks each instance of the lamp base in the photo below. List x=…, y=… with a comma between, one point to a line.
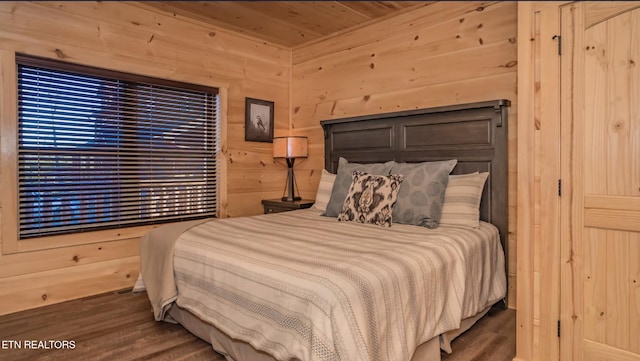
x=290, y=195
x=289, y=199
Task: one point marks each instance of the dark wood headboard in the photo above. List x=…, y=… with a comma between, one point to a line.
x=474, y=134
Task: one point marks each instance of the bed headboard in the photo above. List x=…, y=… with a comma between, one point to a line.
x=475, y=134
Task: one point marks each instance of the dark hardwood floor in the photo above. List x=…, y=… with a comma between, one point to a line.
x=120, y=326
x=492, y=338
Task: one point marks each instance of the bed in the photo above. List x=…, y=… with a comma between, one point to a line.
x=303, y=286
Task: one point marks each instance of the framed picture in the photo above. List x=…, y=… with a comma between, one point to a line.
x=258, y=122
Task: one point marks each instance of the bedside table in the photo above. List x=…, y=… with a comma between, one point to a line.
x=277, y=205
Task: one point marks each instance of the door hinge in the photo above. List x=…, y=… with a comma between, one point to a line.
x=559, y=43
x=558, y=328
x=559, y=187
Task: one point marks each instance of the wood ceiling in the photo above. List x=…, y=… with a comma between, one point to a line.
x=287, y=23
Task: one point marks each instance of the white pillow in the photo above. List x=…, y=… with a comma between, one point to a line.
x=324, y=190
x=462, y=200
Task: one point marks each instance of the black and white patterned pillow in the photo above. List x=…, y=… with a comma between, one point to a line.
x=371, y=199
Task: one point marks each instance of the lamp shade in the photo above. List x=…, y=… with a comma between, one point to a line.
x=290, y=147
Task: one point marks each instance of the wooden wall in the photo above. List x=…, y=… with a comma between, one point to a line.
x=133, y=38
x=441, y=54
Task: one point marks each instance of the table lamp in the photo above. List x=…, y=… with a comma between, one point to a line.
x=290, y=148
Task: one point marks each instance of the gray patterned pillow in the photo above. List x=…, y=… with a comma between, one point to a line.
x=343, y=181
x=371, y=199
x=421, y=195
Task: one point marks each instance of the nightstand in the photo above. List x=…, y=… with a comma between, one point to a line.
x=278, y=205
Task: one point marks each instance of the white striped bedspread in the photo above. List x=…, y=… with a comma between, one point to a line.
x=298, y=285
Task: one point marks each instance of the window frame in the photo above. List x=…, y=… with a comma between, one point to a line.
x=9, y=222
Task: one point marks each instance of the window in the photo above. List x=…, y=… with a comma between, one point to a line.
x=99, y=149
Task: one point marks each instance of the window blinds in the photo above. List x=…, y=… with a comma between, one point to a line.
x=98, y=150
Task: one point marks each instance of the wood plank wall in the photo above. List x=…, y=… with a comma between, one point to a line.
x=132, y=38
x=441, y=54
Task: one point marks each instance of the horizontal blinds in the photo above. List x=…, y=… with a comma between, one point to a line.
x=97, y=152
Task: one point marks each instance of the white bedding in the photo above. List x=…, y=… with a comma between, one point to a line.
x=299, y=285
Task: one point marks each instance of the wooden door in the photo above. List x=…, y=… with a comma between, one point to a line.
x=600, y=127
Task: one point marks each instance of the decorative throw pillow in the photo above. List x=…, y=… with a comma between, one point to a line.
x=324, y=190
x=462, y=200
x=343, y=181
x=371, y=199
x=421, y=195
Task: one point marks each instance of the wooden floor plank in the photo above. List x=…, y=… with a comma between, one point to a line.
x=120, y=326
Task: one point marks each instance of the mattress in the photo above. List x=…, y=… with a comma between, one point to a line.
x=298, y=285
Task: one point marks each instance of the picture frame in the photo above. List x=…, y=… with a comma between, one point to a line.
x=258, y=122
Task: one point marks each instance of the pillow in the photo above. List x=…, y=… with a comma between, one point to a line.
x=343, y=181
x=421, y=195
x=462, y=200
x=371, y=199
x=324, y=190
